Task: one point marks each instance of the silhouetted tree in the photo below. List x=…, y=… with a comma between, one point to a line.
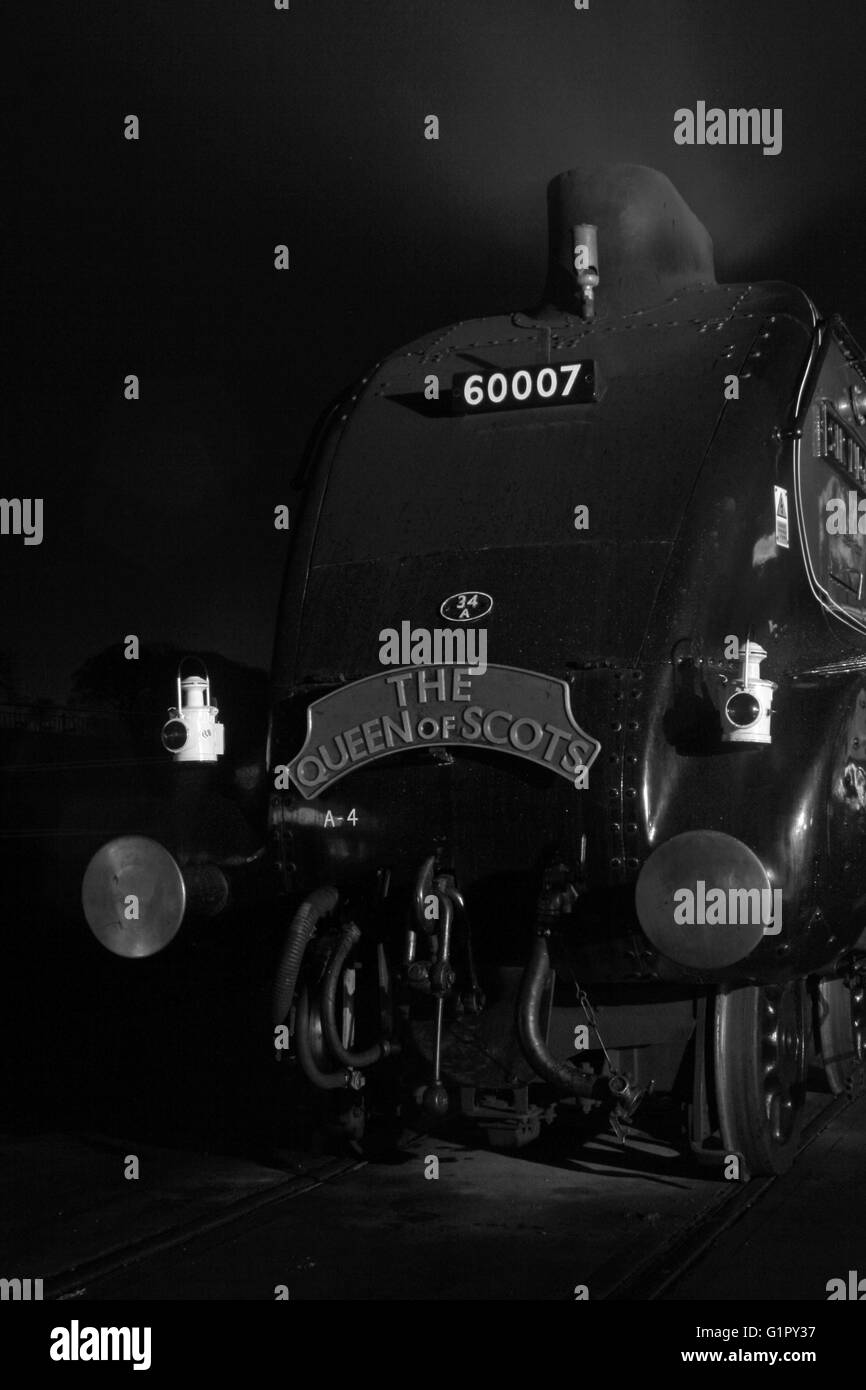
x=140, y=693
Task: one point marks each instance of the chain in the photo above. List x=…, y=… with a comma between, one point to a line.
x=592, y=1020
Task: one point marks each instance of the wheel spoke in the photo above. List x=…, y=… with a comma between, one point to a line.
x=761, y=1072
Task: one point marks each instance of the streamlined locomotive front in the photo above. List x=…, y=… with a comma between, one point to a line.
x=550, y=669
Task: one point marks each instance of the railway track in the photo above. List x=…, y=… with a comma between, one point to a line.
x=666, y=1267
x=76, y=1281
x=627, y=1223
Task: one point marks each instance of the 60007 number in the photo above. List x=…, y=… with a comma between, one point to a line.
x=566, y=383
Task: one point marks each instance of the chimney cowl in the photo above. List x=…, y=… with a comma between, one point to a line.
x=650, y=243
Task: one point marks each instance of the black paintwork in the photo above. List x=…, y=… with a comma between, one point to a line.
x=406, y=504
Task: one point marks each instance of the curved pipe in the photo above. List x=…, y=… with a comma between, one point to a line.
x=326, y=1081
x=349, y=938
x=532, y=986
x=303, y=924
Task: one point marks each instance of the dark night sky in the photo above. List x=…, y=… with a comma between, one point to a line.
x=260, y=126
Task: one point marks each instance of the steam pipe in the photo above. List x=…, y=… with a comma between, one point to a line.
x=325, y=1081
x=559, y=1074
x=349, y=938
x=320, y=902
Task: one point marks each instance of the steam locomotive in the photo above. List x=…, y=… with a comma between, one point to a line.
x=567, y=753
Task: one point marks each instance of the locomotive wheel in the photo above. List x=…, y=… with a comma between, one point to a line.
x=760, y=1073
x=842, y=1031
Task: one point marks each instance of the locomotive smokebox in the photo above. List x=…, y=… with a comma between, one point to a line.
x=650, y=244
x=705, y=900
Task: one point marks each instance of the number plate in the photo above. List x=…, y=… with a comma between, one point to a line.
x=514, y=388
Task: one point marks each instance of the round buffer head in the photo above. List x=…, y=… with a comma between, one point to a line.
x=133, y=895
x=673, y=899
